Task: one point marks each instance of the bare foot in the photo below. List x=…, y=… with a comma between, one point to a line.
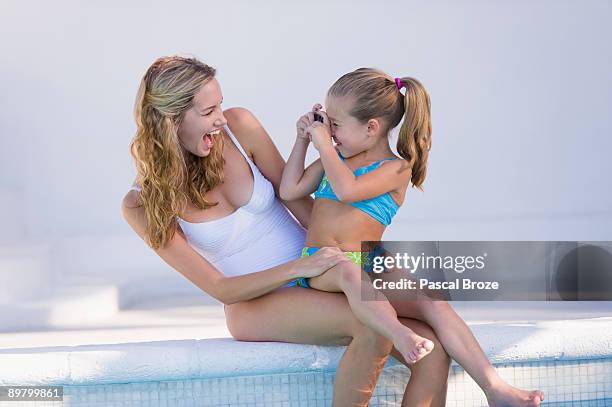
x=505, y=395
x=414, y=347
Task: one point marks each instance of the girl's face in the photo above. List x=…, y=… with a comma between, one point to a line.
x=202, y=121
x=351, y=136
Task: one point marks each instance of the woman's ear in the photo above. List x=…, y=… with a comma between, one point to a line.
x=374, y=126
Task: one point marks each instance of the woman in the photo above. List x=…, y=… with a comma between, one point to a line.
x=206, y=200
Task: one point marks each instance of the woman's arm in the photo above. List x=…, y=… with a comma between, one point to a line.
x=258, y=144
x=182, y=257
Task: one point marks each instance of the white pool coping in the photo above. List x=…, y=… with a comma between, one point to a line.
x=209, y=358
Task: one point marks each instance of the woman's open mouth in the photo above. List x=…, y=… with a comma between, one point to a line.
x=208, y=138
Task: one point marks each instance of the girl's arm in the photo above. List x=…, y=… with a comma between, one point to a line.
x=297, y=182
x=258, y=144
x=389, y=176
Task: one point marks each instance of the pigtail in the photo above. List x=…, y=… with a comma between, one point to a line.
x=414, y=140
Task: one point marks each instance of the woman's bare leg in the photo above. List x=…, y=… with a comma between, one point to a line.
x=378, y=315
x=301, y=315
x=462, y=346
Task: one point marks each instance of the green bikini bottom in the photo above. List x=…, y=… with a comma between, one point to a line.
x=362, y=259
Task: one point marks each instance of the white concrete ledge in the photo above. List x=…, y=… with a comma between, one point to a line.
x=208, y=358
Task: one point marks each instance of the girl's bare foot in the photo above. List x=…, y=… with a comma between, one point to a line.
x=504, y=395
x=414, y=347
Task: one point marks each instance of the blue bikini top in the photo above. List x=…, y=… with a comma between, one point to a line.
x=381, y=207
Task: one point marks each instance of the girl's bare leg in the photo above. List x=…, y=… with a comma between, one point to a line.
x=429, y=378
x=302, y=315
x=378, y=315
x=462, y=346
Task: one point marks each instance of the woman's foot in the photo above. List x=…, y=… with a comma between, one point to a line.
x=414, y=347
x=504, y=395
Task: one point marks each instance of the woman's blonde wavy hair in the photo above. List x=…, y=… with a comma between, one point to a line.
x=375, y=95
x=170, y=177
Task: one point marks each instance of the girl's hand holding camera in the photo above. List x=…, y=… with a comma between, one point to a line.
x=306, y=120
x=302, y=124
x=315, y=126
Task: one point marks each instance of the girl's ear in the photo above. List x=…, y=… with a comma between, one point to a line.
x=373, y=127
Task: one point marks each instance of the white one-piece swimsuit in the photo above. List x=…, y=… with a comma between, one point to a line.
x=257, y=236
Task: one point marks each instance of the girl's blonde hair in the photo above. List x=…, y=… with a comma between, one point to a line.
x=169, y=176
x=375, y=94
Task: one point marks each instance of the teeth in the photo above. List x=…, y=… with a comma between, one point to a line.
x=214, y=133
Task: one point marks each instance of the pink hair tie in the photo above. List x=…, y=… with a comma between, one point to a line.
x=398, y=83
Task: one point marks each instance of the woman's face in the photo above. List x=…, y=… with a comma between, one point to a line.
x=202, y=121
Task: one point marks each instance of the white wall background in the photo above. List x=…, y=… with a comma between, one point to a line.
x=521, y=94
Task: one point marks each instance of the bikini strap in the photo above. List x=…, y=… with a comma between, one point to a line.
x=377, y=163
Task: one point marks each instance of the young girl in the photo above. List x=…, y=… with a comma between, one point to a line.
x=359, y=184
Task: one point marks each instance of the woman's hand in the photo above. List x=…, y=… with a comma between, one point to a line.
x=319, y=262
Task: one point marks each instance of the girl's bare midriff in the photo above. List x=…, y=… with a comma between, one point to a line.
x=337, y=224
